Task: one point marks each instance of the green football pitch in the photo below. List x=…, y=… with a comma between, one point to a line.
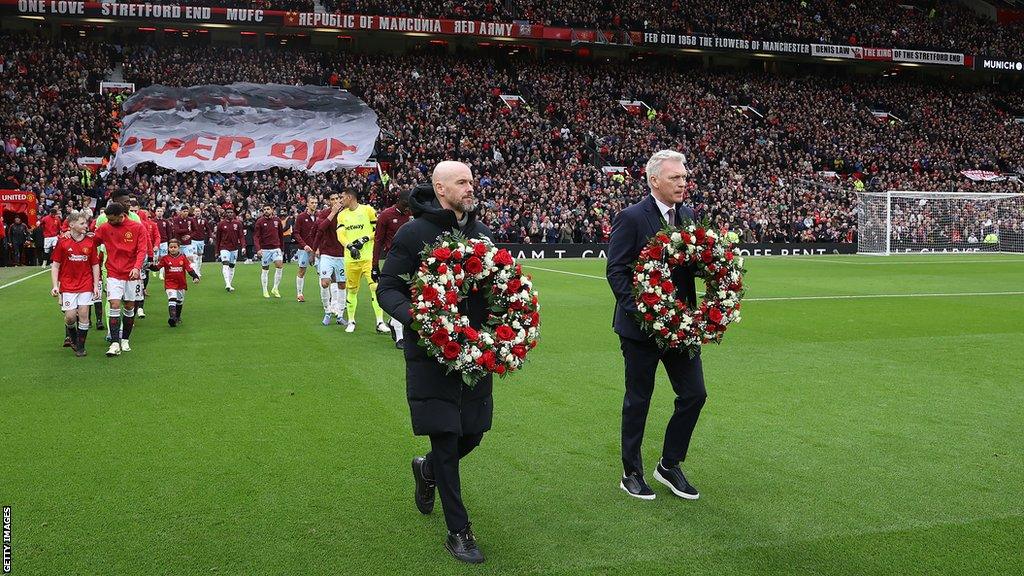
x=865, y=417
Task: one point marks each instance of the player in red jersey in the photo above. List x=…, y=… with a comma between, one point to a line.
x=51, y=230
x=76, y=279
x=126, y=243
x=175, y=265
x=388, y=223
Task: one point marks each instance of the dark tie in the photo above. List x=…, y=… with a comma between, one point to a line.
x=671, y=217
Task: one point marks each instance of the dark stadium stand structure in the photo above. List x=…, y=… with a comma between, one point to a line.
x=775, y=150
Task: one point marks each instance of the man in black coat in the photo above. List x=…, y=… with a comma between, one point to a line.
x=632, y=229
x=453, y=415
x=17, y=235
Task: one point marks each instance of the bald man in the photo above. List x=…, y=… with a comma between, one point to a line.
x=453, y=415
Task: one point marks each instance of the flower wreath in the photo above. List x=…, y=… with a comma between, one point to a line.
x=668, y=319
x=453, y=267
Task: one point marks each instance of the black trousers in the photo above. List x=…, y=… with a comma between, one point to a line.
x=687, y=377
x=443, y=467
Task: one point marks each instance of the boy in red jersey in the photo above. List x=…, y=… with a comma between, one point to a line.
x=175, y=265
x=76, y=280
x=127, y=243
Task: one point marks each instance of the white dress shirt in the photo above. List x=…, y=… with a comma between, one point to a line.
x=665, y=210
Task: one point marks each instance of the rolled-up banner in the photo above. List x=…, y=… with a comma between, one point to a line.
x=246, y=127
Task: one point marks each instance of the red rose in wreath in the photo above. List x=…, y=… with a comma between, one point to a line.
x=461, y=267
x=661, y=314
x=474, y=265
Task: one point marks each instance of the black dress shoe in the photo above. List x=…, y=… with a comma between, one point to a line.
x=400, y=344
x=635, y=485
x=676, y=481
x=462, y=546
x=424, y=487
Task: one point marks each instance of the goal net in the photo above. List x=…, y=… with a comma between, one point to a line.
x=900, y=222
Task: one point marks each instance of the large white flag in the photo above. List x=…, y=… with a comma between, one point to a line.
x=246, y=127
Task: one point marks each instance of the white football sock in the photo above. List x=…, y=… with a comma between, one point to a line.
x=338, y=299
x=263, y=278
x=325, y=297
x=278, y=272
x=226, y=270
x=399, y=329
x=299, y=284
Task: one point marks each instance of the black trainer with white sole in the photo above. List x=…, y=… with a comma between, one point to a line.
x=676, y=481
x=635, y=485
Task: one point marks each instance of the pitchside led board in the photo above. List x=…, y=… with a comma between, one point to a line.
x=246, y=127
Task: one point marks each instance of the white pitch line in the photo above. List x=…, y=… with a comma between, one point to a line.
x=859, y=296
x=938, y=260
x=19, y=280
x=565, y=272
x=829, y=297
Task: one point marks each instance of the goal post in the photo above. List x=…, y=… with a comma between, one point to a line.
x=914, y=222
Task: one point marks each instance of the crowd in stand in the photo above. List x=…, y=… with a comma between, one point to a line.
x=772, y=157
x=940, y=25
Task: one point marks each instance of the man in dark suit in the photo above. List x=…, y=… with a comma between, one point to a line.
x=453, y=415
x=633, y=228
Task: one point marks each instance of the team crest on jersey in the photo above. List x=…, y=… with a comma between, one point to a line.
x=128, y=236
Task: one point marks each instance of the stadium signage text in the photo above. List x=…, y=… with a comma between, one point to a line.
x=925, y=57
x=127, y=11
x=14, y=196
x=559, y=251
x=140, y=11
x=718, y=43
x=1001, y=65
x=851, y=52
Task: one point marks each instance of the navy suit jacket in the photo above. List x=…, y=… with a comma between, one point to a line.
x=631, y=230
